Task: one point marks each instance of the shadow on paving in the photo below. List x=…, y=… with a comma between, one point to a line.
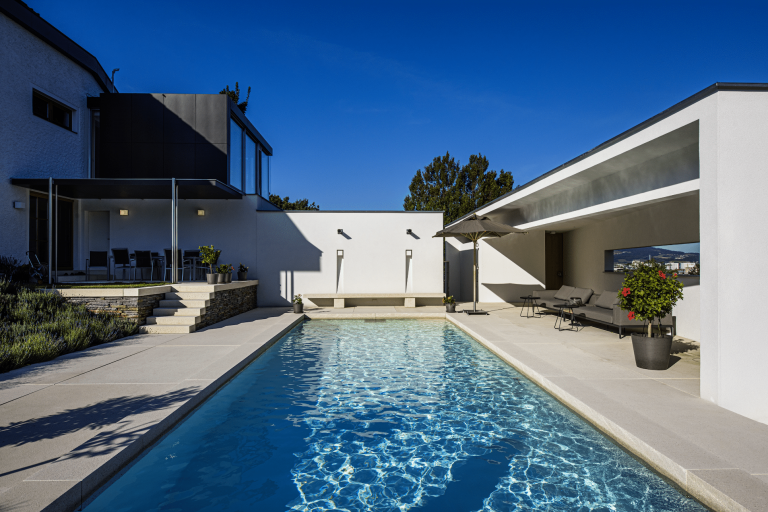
x=92, y=417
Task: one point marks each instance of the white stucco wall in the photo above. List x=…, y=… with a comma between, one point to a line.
x=297, y=253
x=734, y=176
x=30, y=146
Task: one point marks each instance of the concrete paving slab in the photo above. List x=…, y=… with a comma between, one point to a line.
x=35, y=496
x=732, y=484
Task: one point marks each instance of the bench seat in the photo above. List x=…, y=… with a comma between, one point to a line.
x=339, y=299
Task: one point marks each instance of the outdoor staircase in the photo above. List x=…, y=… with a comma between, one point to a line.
x=179, y=312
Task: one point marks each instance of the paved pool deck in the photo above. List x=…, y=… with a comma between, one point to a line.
x=66, y=426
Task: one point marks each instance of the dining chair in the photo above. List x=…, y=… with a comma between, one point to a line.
x=121, y=258
x=143, y=260
x=98, y=260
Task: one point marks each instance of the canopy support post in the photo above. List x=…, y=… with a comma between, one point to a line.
x=474, y=275
x=50, y=230
x=56, y=232
x=174, y=242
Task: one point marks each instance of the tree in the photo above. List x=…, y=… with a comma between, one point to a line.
x=649, y=292
x=235, y=95
x=457, y=190
x=286, y=204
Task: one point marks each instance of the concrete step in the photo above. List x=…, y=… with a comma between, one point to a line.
x=173, y=320
x=184, y=303
x=179, y=311
x=189, y=295
x=166, y=329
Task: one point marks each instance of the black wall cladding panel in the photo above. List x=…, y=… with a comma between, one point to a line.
x=179, y=119
x=211, y=118
x=178, y=160
x=147, y=160
x=115, y=161
x=147, y=118
x=211, y=161
x=116, y=118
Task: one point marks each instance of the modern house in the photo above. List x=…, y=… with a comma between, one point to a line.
x=87, y=169
x=693, y=173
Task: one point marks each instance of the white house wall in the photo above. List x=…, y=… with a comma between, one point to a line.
x=297, y=253
x=734, y=176
x=30, y=146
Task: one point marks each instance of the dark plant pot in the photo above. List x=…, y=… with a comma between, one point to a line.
x=298, y=308
x=652, y=353
x=228, y=279
x=242, y=276
x=450, y=308
x=221, y=278
x=211, y=278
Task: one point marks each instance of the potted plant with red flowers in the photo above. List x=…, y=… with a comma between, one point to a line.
x=450, y=304
x=649, y=293
x=298, y=304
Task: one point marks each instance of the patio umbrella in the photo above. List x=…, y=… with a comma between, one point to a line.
x=475, y=228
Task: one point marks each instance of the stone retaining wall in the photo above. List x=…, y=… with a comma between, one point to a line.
x=133, y=308
x=228, y=303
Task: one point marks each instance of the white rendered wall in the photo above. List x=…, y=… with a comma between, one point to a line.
x=29, y=146
x=734, y=178
x=297, y=253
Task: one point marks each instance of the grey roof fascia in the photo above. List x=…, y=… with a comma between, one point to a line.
x=353, y=211
x=718, y=86
x=57, y=39
x=248, y=125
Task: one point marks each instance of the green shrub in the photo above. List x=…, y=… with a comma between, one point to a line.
x=38, y=326
x=649, y=292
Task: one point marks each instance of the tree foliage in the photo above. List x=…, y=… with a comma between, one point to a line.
x=286, y=204
x=457, y=190
x=235, y=95
x=649, y=292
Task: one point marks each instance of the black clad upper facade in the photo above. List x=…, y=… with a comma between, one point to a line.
x=167, y=135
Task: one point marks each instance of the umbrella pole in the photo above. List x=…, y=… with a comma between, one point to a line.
x=474, y=275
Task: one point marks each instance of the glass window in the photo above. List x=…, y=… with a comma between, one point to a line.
x=235, y=155
x=264, y=175
x=250, y=166
x=51, y=110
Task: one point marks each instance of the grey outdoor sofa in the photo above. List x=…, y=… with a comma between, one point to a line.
x=603, y=308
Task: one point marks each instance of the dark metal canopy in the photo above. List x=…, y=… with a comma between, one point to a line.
x=475, y=228
x=159, y=188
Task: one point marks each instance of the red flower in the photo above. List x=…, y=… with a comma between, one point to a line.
x=631, y=315
x=662, y=275
x=674, y=275
x=625, y=291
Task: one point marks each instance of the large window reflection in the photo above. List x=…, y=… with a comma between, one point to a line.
x=250, y=166
x=235, y=155
x=264, y=175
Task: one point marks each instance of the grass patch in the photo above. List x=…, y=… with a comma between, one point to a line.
x=106, y=285
x=37, y=326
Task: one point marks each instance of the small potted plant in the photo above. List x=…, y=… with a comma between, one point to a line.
x=649, y=293
x=298, y=304
x=450, y=304
x=228, y=269
x=221, y=274
x=209, y=256
x=242, y=273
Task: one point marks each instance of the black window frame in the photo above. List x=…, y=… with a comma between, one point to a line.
x=51, y=104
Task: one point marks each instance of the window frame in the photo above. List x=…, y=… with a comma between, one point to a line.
x=233, y=119
x=52, y=102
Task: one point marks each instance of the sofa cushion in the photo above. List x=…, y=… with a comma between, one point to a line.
x=607, y=300
x=596, y=313
x=564, y=293
x=583, y=293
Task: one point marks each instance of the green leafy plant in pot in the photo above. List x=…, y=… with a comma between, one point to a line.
x=649, y=293
x=298, y=304
x=450, y=304
x=209, y=256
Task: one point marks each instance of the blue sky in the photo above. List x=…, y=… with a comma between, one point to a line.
x=356, y=96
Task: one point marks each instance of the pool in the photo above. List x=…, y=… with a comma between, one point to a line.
x=385, y=416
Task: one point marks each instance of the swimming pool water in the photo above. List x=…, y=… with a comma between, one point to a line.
x=386, y=416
